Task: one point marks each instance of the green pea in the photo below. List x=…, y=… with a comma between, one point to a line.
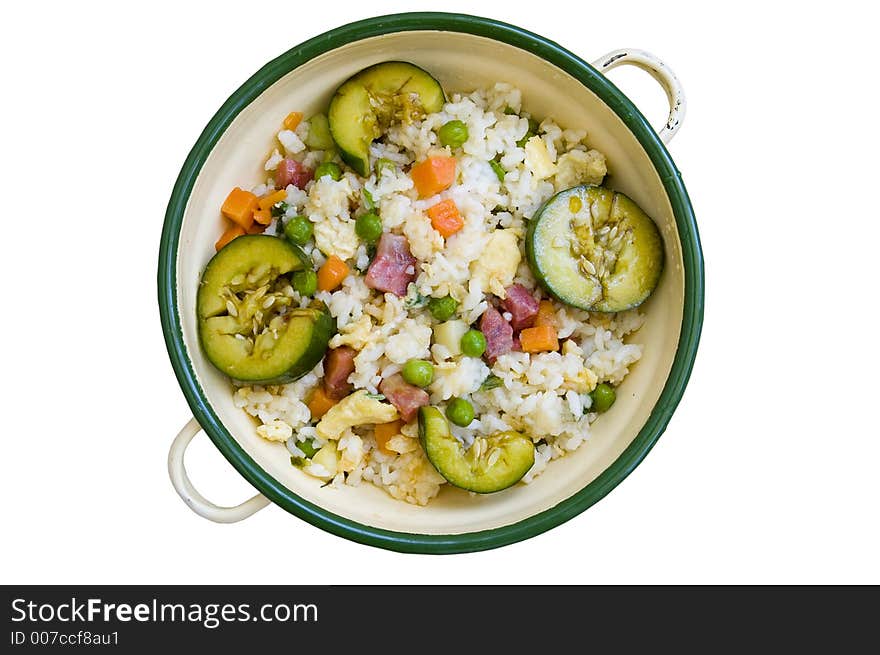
x=473, y=343
x=305, y=283
x=299, y=230
x=497, y=168
x=418, y=372
x=328, y=168
x=603, y=397
x=460, y=412
x=369, y=227
x=453, y=134
x=442, y=308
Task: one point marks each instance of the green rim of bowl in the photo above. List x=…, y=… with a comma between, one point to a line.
x=693, y=278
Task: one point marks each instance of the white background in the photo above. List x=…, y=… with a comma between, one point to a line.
x=768, y=471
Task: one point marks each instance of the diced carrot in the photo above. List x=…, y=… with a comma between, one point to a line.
x=546, y=314
x=319, y=402
x=446, y=218
x=383, y=432
x=231, y=232
x=291, y=122
x=433, y=175
x=273, y=198
x=239, y=207
x=539, y=339
x=256, y=228
x=263, y=216
x=332, y=273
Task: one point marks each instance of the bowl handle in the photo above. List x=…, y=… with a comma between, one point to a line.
x=196, y=502
x=660, y=72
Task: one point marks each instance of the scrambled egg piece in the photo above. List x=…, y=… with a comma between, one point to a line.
x=424, y=240
x=496, y=268
x=538, y=158
x=584, y=382
x=335, y=237
x=412, y=341
x=276, y=430
x=402, y=444
x=325, y=462
x=357, y=409
x=579, y=167
x=351, y=451
x=458, y=378
x=355, y=334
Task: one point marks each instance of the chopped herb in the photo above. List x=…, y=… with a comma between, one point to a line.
x=279, y=208
x=369, y=203
x=298, y=462
x=376, y=396
x=498, y=169
x=491, y=382
x=532, y=131
x=308, y=447
x=384, y=164
x=417, y=301
x=510, y=111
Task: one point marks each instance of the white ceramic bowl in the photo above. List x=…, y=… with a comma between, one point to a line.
x=463, y=52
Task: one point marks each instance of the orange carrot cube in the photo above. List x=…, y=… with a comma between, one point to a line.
x=332, y=273
x=231, y=232
x=445, y=218
x=263, y=216
x=433, y=175
x=273, y=198
x=292, y=120
x=239, y=207
x=383, y=433
x=539, y=339
x=319, y=403
x=546, y=314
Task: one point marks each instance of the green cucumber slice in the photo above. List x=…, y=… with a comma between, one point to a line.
x=368, y=102
x=249, y=327
x=494, y=464
x=319, y=137
x=595, y=249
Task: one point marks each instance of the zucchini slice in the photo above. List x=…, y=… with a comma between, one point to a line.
x=371, y=100
x=491, y=464
x=594, y=248
x=249, y=327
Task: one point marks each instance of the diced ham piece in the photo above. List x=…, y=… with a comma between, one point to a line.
x=393, y=267
x=290, y=171
x=522, y=307
x=338, y=365
x=498, y=333
x=517, y=346
x=405, y=397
